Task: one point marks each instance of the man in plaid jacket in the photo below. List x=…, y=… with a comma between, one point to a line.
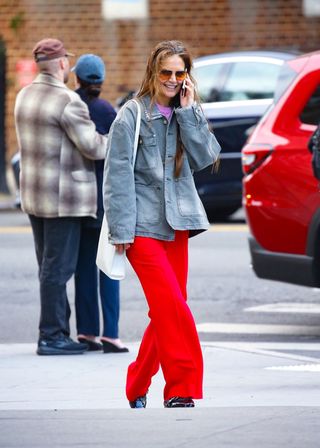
x=58, y=144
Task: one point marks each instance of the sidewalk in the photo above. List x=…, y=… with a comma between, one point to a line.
x=250, y=400
x=97, y=380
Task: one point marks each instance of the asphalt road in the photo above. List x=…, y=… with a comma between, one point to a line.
x=224, y=294
x=260, y=342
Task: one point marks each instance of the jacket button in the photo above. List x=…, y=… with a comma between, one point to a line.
x=165, y=121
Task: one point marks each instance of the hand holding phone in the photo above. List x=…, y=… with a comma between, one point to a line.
x=187, y=91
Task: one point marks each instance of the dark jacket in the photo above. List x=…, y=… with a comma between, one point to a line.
x=102, y=114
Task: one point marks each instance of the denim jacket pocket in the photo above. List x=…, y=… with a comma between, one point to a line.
x=147, y=154
x=148, y=204
x=189, y=203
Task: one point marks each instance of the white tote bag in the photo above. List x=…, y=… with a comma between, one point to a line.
x=108, y=259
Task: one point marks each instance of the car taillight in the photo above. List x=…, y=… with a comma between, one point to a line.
x=253, y=156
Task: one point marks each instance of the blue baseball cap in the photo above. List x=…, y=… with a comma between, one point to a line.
x=90, y=68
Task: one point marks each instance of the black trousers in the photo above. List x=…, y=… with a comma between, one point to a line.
x=57, y=246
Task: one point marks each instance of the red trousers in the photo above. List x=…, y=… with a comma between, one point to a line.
x=171, y=339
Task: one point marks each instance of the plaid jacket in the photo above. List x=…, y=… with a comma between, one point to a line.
x=58, y=143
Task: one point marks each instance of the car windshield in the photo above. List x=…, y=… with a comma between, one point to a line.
x=237, y=80
x=250, y=81
x=208, y=81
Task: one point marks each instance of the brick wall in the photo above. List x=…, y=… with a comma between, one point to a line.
x=206, y=26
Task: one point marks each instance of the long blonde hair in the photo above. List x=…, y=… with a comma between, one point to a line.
x=150, y=86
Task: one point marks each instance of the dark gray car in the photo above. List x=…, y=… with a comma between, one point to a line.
x=235, y=89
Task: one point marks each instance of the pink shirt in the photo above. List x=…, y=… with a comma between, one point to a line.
x=166, y=111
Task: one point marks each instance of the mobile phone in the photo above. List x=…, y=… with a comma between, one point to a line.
x=183, y=87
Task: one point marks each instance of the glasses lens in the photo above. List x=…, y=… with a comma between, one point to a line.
x=181, y=76
x=165, y=75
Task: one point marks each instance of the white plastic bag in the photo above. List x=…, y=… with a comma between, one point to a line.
x=108, y=259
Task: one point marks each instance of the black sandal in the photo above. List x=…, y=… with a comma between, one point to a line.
x=179, y=402
x=93, y=346
x=108, y=347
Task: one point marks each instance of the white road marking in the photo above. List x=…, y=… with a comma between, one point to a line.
x=18, y=229
x=286, y=307
x=229, y=228
x=298, y=368
x=213, y=228
x=244, y=328
x=273, y=349
x=302, y=346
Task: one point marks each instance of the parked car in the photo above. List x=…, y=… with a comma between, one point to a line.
x=281, y=196
x=235, y=89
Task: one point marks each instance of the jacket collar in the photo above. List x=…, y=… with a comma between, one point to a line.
x=45, y=78
x=150, y=112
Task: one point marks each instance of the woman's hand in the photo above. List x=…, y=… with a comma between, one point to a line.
x=120, y=248
x=187, y=99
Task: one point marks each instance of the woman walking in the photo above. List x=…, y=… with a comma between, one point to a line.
x=152, y=210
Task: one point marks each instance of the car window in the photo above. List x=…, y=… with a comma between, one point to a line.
x=250, y=81
x=285, y=78
x=209, y=80
x=311, y=111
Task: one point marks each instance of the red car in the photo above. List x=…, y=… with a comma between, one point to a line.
x=281, y=196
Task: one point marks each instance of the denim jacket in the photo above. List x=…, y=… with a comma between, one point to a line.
x=147, y=199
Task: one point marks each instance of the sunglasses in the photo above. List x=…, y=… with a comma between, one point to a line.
x=165, y=75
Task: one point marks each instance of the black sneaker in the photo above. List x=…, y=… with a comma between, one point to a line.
x=179, y=402
x=139, y=403
x=61, y=346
